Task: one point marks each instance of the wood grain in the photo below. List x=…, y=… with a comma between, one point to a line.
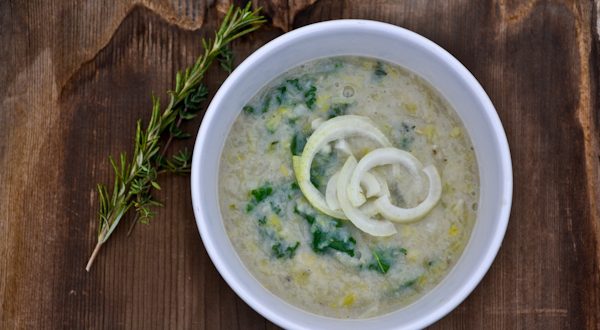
x=75, y=76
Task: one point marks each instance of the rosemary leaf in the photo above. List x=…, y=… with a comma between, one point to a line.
x=226, y=59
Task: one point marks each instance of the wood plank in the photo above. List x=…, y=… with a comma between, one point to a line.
x=76, y=76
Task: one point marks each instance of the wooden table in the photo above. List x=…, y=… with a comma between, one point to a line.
x=75, y=76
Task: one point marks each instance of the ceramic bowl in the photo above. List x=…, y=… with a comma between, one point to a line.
x=413, y=52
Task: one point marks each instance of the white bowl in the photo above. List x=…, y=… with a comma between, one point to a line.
x=395, y=45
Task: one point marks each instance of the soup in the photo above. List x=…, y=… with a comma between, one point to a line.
x=348, y=187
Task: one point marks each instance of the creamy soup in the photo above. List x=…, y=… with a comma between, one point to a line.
x=328, y=265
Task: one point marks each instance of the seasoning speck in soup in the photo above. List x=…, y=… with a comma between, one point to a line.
x=348, y=187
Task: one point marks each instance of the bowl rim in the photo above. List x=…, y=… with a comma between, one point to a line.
x=502, y=143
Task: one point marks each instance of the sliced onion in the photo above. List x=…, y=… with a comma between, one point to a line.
x=358, y=218
x=380, y=157
x=370, y=185
x=370, y=182
x=331, y=130
x=398, y=214
x=331, y=192
x=369, y=209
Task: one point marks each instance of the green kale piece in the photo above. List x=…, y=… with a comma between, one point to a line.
x=281, y=251
x=280, y=248
x=248, y=109
x=404, y=136
x=298, y=143
x=379, y=264
x=383, y=259
x=310, y=97
x=258, y=195
x=408, y=284
x=327, y=232
x=278, y=198
x=266, y=105
x=379, y=71
x=261, y=193
x=295, y=83
x=281, y=94
x=337, y=109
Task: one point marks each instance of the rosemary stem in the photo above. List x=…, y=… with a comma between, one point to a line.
x=133, y=223
x=95, y=252
x=170, y=139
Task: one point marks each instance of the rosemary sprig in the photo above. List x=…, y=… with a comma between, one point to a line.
x=135, y=178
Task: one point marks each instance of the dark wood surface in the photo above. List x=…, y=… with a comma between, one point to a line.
x=75, y=75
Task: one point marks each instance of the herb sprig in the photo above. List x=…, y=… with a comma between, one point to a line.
x=135, y=178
